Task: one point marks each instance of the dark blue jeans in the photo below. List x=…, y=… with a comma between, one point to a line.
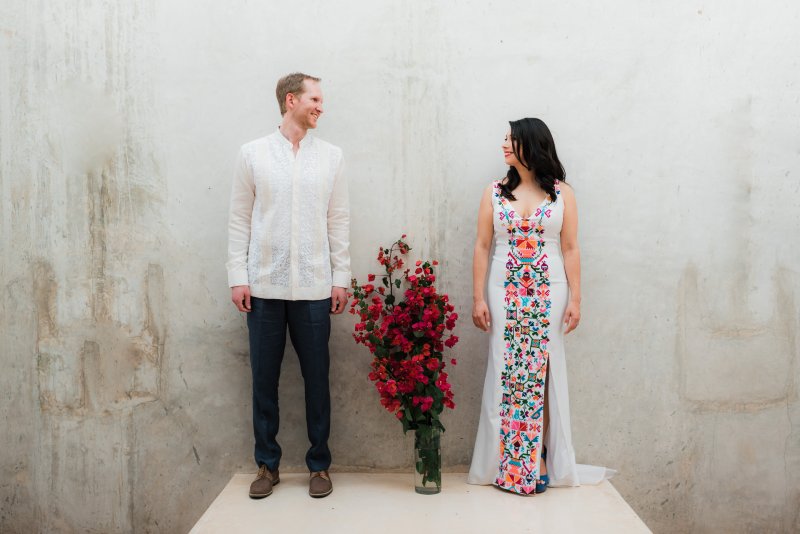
x=309, y=325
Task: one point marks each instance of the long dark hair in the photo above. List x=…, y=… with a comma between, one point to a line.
x=534, y=147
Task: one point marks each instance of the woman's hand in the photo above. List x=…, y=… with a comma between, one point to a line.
x=480, y=315
x=572, y=316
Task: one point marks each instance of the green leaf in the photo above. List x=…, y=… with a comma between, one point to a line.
x=397, y=283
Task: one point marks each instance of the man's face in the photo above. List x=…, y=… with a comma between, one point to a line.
x=307, y=105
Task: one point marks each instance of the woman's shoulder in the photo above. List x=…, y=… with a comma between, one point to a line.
x=498, y=186
x=563, y=187
x=565, y=192
x=493, y=188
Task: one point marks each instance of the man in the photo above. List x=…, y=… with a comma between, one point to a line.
x=289, y=265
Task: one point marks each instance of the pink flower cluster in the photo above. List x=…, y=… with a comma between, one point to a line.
x=407, y=337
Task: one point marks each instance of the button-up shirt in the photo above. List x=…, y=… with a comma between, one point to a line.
x=288, y=233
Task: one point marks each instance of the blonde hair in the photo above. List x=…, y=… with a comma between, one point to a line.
x=291, y=83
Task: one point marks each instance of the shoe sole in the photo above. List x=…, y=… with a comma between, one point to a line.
x=262, y=495
x=321, y=495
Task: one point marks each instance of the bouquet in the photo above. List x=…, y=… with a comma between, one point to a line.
x=406, y=324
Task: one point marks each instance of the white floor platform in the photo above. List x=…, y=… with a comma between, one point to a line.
x=386, y=503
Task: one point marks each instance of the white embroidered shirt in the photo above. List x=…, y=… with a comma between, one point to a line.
x=288, y=232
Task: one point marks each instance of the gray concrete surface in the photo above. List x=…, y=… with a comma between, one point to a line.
x=125, y=384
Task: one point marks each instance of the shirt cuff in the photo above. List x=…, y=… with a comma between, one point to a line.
x=341, y=279
x=238, y=277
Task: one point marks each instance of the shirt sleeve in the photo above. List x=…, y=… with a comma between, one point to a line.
x=339, y=229
x=243, y=194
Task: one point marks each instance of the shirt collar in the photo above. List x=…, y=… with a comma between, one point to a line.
x=305, y=141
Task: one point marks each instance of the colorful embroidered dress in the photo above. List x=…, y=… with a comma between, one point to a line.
x=527, y=296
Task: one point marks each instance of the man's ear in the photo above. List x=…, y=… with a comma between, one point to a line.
x=289, y=100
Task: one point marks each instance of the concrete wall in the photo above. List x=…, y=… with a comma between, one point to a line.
x=125, y=383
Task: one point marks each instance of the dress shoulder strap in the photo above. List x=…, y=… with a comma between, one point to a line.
x=498, y=203
x=496, y=193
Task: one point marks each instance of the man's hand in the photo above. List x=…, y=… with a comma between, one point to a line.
x=338, y=299
x=240, y=295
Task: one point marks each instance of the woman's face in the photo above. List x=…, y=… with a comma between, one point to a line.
x=508, y=151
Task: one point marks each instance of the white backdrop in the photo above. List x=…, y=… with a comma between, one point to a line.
x=126, y=382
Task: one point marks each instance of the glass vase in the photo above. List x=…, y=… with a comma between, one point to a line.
x=427, y=460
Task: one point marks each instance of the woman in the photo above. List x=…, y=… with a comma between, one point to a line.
x=524, y=439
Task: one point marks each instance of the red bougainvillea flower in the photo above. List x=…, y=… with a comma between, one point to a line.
x=406, y=324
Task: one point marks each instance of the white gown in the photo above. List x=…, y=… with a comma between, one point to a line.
x=527, y=298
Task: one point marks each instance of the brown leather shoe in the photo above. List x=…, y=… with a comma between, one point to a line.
x=320, y=485
x=262, y=485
